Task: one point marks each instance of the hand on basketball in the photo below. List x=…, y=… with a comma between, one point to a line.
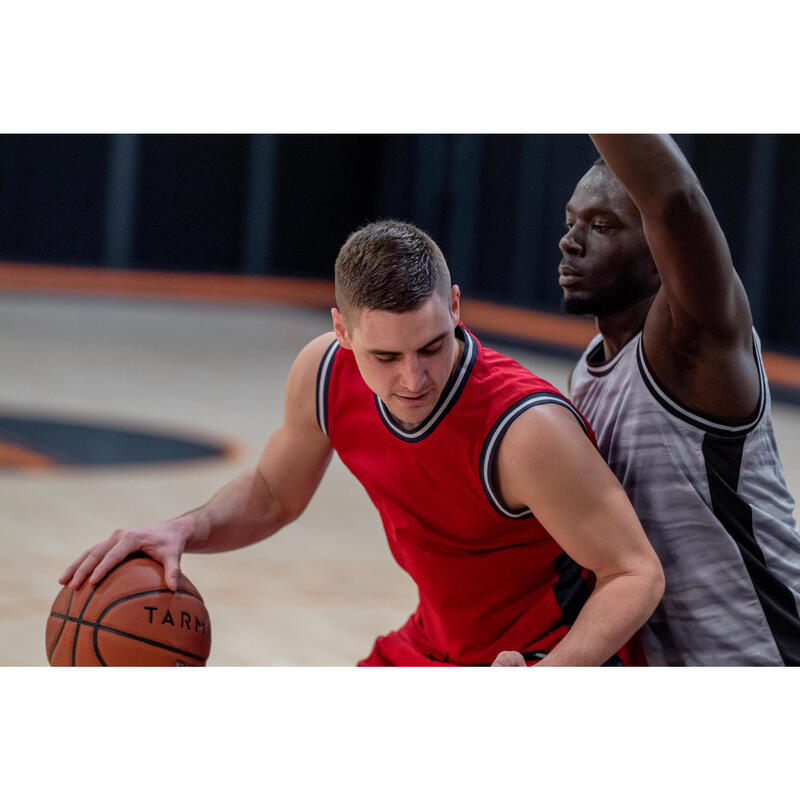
x=164, y=542
x=509, y=658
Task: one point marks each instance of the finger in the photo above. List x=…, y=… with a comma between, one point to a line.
x=509, y=658
x=70, y=570
x=172, y=571
x=122, y=548
x=90, y=561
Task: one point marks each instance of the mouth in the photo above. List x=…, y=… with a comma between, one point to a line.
x=568, y=275
x=413, y=399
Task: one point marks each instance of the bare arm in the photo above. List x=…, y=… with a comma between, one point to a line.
x=288, y=472
x=698, y=332
x=687, y=243
x=249, y=508
x=547, y=463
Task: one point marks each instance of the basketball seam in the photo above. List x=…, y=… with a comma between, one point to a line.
x=151, y=642
x=79, y=620
x=119, y=600
x=64, y=625
x=130, y=556
x=97, y=626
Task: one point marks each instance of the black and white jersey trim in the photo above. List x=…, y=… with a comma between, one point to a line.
x=495, y=436
x=604, y=367
x=692, y=417
x=450, y=394
x=323, y=381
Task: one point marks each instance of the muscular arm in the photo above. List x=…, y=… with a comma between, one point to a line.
x=686, y=241
x=547, y=463
x=698, y=333
x=249, y=508
x=289, y=470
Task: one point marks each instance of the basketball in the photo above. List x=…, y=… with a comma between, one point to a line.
x=129, y=619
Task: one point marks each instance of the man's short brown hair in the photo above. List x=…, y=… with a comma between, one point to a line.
x=389, y=266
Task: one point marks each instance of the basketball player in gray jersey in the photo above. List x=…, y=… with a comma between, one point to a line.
x=674, y=388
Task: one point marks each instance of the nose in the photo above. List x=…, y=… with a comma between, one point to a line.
x=569, y=244
x=412, y=375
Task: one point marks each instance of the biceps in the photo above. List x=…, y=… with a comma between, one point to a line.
x=292, y=465
x=603, y=532
x=586, y=510
x=694, y=261
x=564, y=481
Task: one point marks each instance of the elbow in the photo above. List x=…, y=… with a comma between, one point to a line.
x=284, y=515
x=656, y=582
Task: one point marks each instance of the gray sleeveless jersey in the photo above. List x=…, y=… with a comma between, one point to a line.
x=714, y=503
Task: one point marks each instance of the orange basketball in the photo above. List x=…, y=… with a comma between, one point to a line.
x=130, y=619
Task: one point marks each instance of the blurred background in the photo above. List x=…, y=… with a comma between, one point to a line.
x=282, y=205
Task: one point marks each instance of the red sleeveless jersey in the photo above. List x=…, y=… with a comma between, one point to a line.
x=490, y=577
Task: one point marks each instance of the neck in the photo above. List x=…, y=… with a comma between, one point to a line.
x=457, y=356
x=618, y=329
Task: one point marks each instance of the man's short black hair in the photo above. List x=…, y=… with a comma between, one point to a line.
x=389, y=265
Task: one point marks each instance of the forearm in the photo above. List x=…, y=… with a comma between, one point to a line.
x=615, y=610
x=650, y=166
x=241, y=513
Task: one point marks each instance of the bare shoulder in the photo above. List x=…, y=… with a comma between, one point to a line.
x=311, y=355
x=546, y=457
x=543, y=432
x=300, y=397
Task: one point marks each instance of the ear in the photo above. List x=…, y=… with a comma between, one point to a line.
x=340, y=329
x=455, y=303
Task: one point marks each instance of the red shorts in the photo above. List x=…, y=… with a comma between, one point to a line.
x=402, y=648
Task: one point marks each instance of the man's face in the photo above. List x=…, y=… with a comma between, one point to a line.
x=606, y=266
x=404, y=358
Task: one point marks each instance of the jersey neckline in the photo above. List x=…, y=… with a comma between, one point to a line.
x=448, y=398
x=602, y=368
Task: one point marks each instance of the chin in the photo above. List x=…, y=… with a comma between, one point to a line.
x=410, y=420
x=577, y=305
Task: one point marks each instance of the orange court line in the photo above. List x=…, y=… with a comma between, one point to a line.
x=524, y=323
x=165, y=285
x=492, y=318
x=12, y=455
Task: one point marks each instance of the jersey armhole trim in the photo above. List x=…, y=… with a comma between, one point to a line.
x=692, y=418
x=492, y=443
x=323, y=383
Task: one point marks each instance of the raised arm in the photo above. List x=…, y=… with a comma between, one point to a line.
x=699, y=283
x=547, y=464
x=249, y=508
x=698, y=332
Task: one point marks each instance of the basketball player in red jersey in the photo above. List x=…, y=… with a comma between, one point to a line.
x=491, y=490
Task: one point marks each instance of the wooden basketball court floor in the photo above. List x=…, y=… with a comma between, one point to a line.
x=318, y=592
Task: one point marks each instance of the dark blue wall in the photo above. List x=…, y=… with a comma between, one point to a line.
x=283, y=205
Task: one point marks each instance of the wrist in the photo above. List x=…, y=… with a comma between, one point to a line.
x=194, y=530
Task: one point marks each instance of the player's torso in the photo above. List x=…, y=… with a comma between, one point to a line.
x=714, y=504
x=488, y=576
